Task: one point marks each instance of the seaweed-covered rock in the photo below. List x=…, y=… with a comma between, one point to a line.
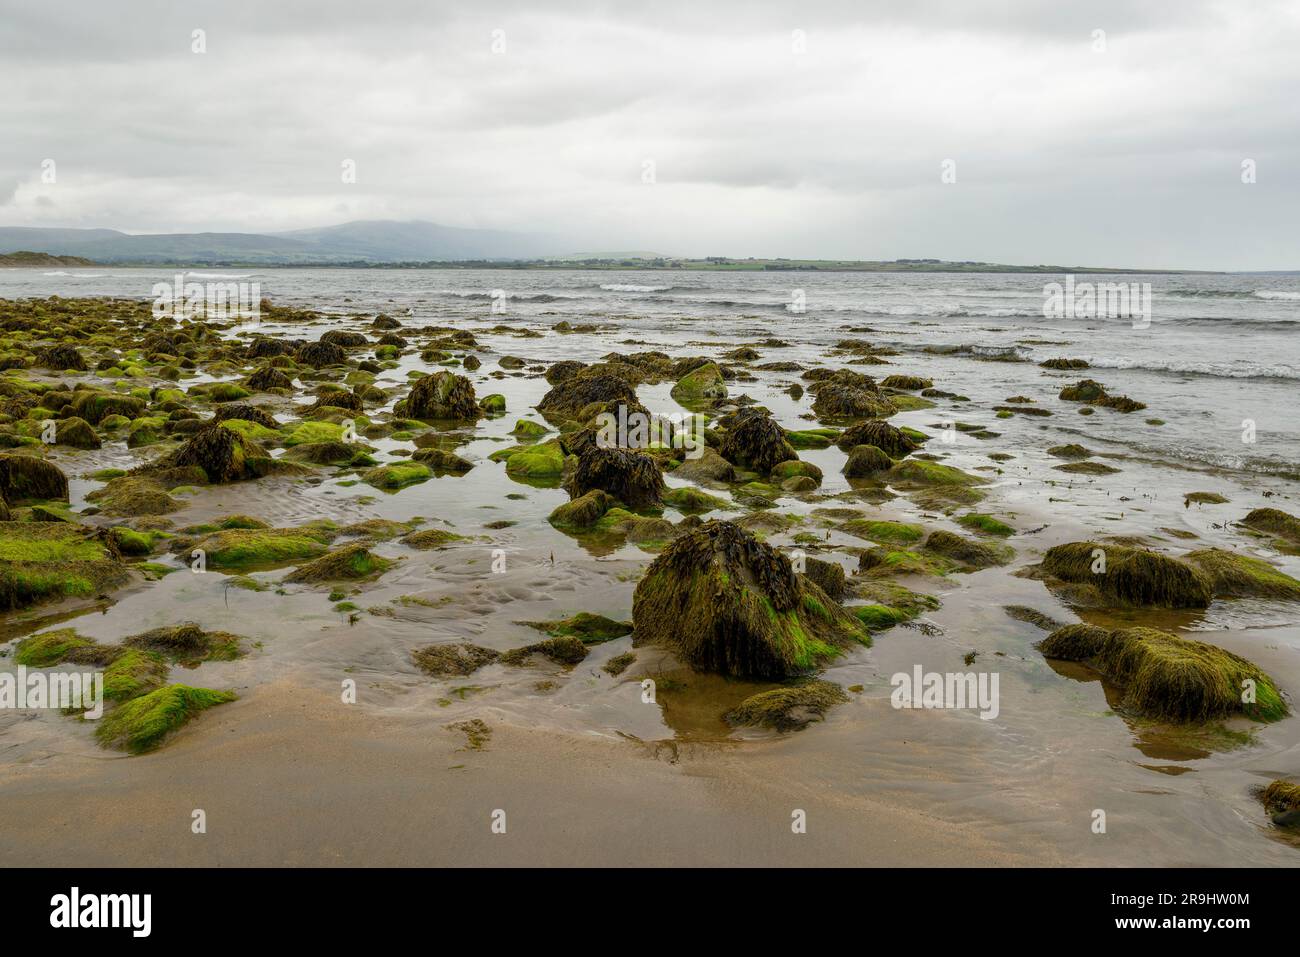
x=1274, y=521
x=726, y=602
x=563, y=650
x=266, y=379
x=842, y=401
x=1107, y=574
x=62, y=357
x=908, y=383
x=440, y=460
x=48, y=561
x=1066, y=364
x=968, y=554
x=563, y=371
x=345, y=564
x=344, y=338
x=76, y=433
x=790, y=708
x=588, y=628
x=1282, y=801
x=95, y=407
x=701, y=387
x=1094, y=393
x=443, y=396
x=454, y=658
x=320, y=354
x=187, y=643
x=26, y=477
x=1168, y=677
x=708, y=466
x=753, y=440
x=829, y=577
x=585, y=395
x=133, y=496
x=247, y=413
x=142, y=723
x=894, y=442
x=430, y=538
x=584, y=511
x=241, y=549
x=223, y=454
x=1240, y=576
x=865, y=461
x=632, y=477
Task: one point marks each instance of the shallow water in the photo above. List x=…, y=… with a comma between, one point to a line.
x=1219, y=350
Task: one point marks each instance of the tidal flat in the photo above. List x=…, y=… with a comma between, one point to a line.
x=360, y=571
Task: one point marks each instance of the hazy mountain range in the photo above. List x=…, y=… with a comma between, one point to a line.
x=371, y=241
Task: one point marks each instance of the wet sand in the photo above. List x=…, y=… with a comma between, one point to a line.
x=288, y=776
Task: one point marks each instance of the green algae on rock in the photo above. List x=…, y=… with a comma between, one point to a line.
x=430, y=538
x=187, y=643
x=350, y=563
x=1274, y=521
x=701, y=387
x=141, y=724
x=1101, y=574
x=563, y=650
x=396, y=475
x=634, y=478
x=790, y=708
x=133, y=496
x=241, y=549
x=48, y=561
x=28, y=478
x=1167, y=677
x=1282, y=801
x=456, y=658
x=866, y=461
x=443, y=396
x=588, y=628
x=725, y=602
x=1240, y=576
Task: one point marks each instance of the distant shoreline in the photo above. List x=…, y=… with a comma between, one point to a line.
x=24, y=259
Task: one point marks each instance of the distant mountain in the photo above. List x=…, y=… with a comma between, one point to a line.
x=28, y=259
x=366, y=241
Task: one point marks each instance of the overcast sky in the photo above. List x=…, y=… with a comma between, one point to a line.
x=765, y=142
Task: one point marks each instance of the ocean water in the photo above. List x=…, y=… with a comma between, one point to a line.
x=1221, y=351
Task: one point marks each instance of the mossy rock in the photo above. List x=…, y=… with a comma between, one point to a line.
x=1274, y=521
x=63, y=645
x=76, y=433
x=330, y=453
x=441, y=460
x=243, y=549
x=1125, y=577
x=48, y=561
x=1204, y=498
x=430, y=538
x=692, y=500
x=563, y=650
x=494, y=404
x=95, y=407
x=544, y=460
x=812, y=438
x=1167, y=677
x=700, y=388
x=790, y=708
x=918, y=473
x=1070, y=451
x=223, y=455
x=866, y=461
x=985, y=525
x=967, y=554
x=26, y=478
x=725, y=602
x=1240, y=576
x=311, y=433
x=349, y=563
x=795, y=468
x=143, y=723
x=396, y=475
x=132, y=673
x=130, y=542
x=253, y=431
x=456, y=658
x=187, y=643
x=528, y=429
x=1086, y=468
x=588, y=628
x=133, y=496
x=584, y=511
x=1282, y=801
x=883, y=532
